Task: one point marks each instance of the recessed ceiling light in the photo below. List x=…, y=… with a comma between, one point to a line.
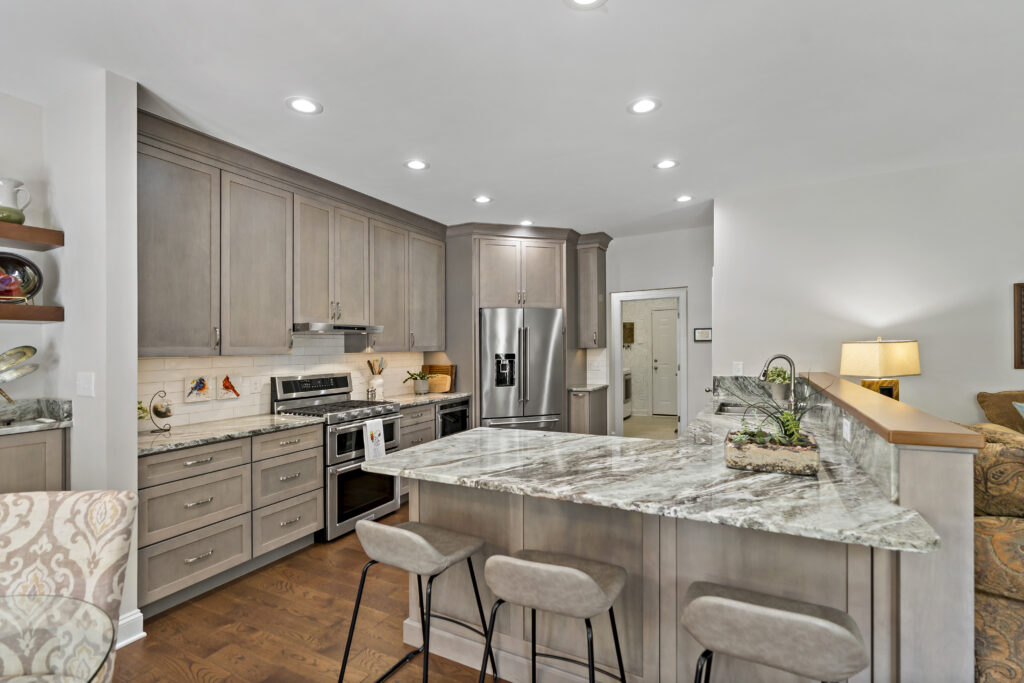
x=683, y=198
x=304, y=105
x=482, y=199
x=417, y=165
x=644, y=105
x=585, y=4
x=526, y=223
x=666, y=164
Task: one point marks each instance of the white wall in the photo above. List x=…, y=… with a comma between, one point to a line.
x=928, y=254
x=680, y=258
x=638, y=356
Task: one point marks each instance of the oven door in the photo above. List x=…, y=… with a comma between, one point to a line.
x=452, y=419
x=353, y=494
x=345, y=442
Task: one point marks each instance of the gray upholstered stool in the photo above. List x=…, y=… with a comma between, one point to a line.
x=802, y=638
x=561, y=584
x=423, y=550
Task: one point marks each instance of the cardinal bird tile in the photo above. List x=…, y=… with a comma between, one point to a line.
x=226, y=388
x=198, y=389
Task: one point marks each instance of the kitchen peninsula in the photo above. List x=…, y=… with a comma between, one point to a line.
x=861, y=536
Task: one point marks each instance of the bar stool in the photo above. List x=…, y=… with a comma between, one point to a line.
x=560, y=584
x=802, y=638
x=423, y=550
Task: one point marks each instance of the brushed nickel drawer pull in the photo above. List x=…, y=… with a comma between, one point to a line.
x=197, y=503
x=286, y=477
x=290, y=442
x=193, y=560
x=416, y=441
x=190, y=463
x=291, y=521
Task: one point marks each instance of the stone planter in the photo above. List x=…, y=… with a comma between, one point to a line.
x=773, y=458
x=421, y=386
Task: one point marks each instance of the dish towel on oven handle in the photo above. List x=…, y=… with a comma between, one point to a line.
x=373, y=439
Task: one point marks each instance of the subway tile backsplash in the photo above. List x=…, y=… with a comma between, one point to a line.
x=251, y=376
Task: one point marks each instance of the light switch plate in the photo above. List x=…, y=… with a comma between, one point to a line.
x=737, y=368
x=847, y=432
x=85, y=383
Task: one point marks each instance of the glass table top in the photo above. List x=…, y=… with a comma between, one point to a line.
x=48, y=634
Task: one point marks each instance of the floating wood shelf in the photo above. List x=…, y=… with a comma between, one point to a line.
x=14, y=236
x=19, y=313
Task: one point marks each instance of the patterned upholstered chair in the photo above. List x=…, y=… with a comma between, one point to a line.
x=68, y=543
x=999, y=555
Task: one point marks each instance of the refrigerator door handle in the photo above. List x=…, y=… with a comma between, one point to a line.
x=522, y=365
x=526, y=365
x=540, y=421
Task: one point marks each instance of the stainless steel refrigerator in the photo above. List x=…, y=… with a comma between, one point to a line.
x=522, y=368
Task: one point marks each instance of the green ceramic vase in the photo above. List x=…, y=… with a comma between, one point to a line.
x=11, y=215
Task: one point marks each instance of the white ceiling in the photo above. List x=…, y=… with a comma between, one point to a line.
x=525, y=100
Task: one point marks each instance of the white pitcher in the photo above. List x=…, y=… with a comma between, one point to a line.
x=10, y=208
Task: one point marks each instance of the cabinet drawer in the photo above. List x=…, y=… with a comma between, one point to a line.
x=190, y=462
x=290, y=441
x=182, y=506
x=287, y=521
x=170, y=566
x=285, y=476
x=417, y=435
x=417, y=415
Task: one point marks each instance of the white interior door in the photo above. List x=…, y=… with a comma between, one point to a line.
x=664, y=362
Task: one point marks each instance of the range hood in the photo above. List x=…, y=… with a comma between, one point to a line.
x=357, y=337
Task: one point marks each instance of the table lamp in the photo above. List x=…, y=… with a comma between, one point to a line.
x=881, y=362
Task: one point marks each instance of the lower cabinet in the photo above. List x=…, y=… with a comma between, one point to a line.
x=417, y=426
x=208, y=509
x=588, y=412
x=32, y=461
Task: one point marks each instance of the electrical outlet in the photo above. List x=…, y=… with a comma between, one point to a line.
x=85, y=383
x=847, y=432
x=737, y=368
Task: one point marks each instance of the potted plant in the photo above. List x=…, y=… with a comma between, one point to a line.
x=775, y=444
x=778, y=381
x=420, y=382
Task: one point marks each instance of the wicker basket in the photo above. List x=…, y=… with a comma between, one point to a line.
x=440, y=384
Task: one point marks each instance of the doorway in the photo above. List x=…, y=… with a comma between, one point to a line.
x=648, y=352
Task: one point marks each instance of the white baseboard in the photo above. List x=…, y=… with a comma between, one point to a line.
x=129, y=628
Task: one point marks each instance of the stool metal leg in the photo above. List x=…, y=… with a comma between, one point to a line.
x=618, y=650
x=355, y=613
x=480, y=609
x=426, y=630
x=704, y=667
x=533, y=646
x=487, y=639
x=590, y=652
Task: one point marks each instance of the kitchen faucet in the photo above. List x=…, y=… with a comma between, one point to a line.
x=792, y=377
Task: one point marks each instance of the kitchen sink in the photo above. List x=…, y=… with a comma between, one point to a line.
x=731, y=409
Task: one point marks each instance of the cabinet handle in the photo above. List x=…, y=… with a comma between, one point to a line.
x=286, y=477
x=412, y=337
x=416, y=441
x=216, y=335
x=289, y=522
x=197, y=503
x=290, y=442
x=577, y=395
x=595, y=337
x=193, y=560
x=524, y=296
x=190, y=463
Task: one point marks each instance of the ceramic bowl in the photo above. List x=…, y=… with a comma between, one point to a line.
x=19, y=277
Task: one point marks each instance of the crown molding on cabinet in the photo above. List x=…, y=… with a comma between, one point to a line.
x=502, y=230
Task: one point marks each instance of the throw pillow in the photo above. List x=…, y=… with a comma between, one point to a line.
x=999, y=408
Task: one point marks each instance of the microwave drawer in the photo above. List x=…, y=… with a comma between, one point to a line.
x=172, y=565
x=275, y=479
x=182, y=506
x=289, y=441
x=287, y=521
x=190, y=462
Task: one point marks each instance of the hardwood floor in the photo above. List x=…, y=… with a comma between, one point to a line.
x=287, y=622
x=651, y=427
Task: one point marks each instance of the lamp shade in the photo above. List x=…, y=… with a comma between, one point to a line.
x=878, y=358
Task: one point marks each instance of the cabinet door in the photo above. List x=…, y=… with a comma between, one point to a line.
x=500, y=273
x=179, y=255
x=314, y=262
x=389, y=272
x=256, y=269
x=542, y=274
x=592, y=284
x=426, y=294
x=352, y=266
x=33, y=461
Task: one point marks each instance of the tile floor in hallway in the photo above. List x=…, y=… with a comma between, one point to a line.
x=650, y=426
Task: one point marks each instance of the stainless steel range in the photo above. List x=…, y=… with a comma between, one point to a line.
x=350, y=493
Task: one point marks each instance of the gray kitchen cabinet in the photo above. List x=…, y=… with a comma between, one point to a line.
x=314, y=266
x=588, y=412
x=593, y=321
x=32, y=461
x=179, y=255
x=520, y=272
x=426, y=294
x=256, y=267
x=389, y=282
x=352, y=263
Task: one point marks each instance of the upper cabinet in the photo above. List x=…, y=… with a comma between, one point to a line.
x=179, y=255
x=593, y=325
x=426, y=294
x=520, y=272
x=352, y=264
x=315, y=272
x=256, y=267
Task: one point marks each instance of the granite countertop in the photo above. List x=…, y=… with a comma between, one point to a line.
x=202, y=433
x=34, y=415
x=410, y=400
x=686, y=479
x=588, y=387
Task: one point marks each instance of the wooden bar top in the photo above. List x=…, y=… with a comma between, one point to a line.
x=896, y=422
